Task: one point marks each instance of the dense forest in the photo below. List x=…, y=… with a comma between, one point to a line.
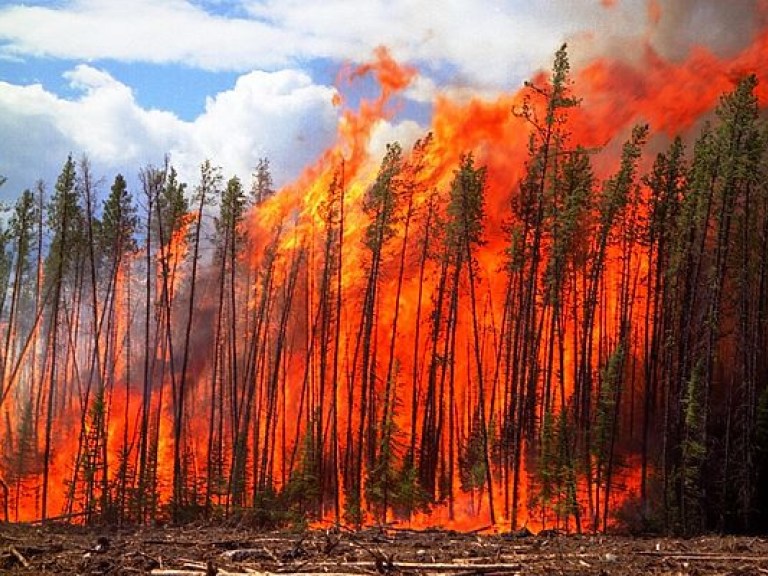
x=503, y=325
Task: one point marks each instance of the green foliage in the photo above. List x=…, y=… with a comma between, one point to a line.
x=409, y=496
x=123, y=507
x=65, y=219
x=382, y=477
x=94, y=499
x=617, y=189
x=554, y=485
x=639, y=518
x=740, y=136
x=666, y=182
x=231, y=212
x=209, y=187
x=568, y=504
x=118, y=223
x=189, y=505
x=172, y=205
x=552, y=349
x=6, y=262
x=262, y=188
x=568, y=218
x=605, y=418
x=20, y=457
x=22, y=235
x=302, y=492
x=466, y=205
x=472, y=470
x=329, y=208
x=353, y=509
x=268, y=511
x=390, y=486
x=693, y=455
x=556, y=191
x=206, y=193
x=547, y=472
x=557, y=97
x=381, y=200
x=25, y=215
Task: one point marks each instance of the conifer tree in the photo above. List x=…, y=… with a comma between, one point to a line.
x=548, y=209
x=667, y=184
x=116, y=243
x=228, y=240
x=22, y=235
x=466, y=211
x=263, y=186
x=208, y=189
x=381, y=206
x=65, y=219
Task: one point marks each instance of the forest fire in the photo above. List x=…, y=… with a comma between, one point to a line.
x=529, y=318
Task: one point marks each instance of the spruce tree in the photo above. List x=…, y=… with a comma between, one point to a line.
x=66, y=221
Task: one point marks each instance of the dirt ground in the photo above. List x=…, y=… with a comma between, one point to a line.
x=208, y=551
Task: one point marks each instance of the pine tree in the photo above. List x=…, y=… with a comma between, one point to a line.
x=693, y=451
x=667, y=185
x=381, y=206
x=465, y=213
x=153, y=182
x=65, y=219
x=228, y=240
x=208, y=189
x=263, y=186
x=610, y=206
x=547, y=210
x=22, y=233
x=116, y=243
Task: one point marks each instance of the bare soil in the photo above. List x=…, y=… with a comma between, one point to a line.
x=209, y=551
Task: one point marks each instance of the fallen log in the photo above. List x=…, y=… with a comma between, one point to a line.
x=713, y=556
x=182, y=572
x=60, y=518
x=242, y=554
x=432, y=566
x=19, y=556
x=320, y=569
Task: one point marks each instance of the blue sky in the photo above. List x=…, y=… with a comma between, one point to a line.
x=127, y=81
x=180, y=89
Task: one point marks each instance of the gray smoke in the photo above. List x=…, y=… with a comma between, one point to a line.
x=626, y=28
x=724, y=26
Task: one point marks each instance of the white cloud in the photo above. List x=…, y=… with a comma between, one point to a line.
x=479, y=41
x=280, y=115
x=141, y=30
x=482, y=46
x=264, y=114
x=487, y=42
x=384, y=132
x=31, y=144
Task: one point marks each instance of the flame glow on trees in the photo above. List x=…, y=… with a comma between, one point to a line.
x=296, y=409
